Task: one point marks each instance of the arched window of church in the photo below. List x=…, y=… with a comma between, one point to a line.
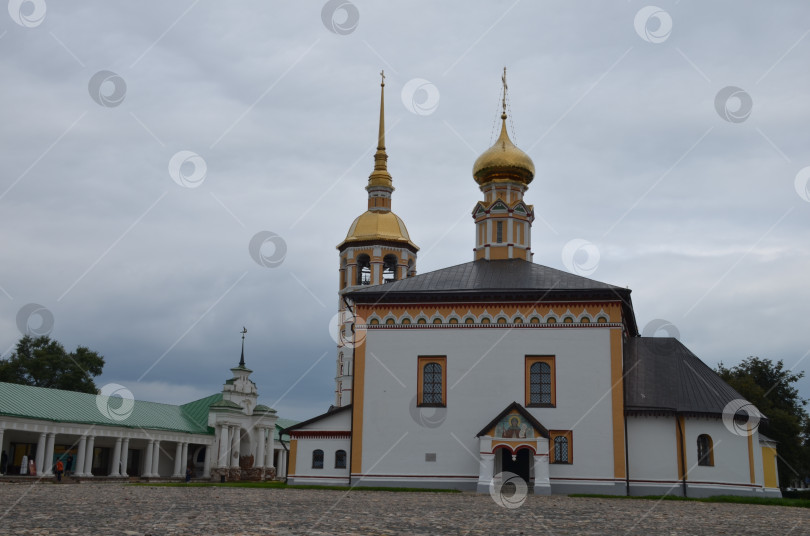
x=340, y=459
x=561, y=449
x=389, y=268
x=432, y=384
x=705, y=451
x=317, y=459
x=363, y=270
x=540, y=383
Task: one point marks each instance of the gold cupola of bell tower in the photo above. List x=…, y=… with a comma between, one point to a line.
x=503, y=222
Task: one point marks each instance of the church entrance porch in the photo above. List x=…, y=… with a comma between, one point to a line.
x=514, y=442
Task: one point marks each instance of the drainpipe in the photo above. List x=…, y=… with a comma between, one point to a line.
x=683, y=453
x=626, y=458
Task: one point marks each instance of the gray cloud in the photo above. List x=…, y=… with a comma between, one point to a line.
x=284, y=113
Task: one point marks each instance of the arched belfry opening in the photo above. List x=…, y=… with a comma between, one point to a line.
x=389, y=268
x=363, y=270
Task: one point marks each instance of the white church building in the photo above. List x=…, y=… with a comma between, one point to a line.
x=448, y=378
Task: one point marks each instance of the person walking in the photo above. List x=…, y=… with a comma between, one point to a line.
x=60, y=467
x=69, y=464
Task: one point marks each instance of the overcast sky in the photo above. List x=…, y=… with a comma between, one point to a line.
x=145, y=144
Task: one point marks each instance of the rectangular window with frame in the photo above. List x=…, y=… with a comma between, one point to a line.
x=499, y=232
x=541, y=389
x=560, y=446
x=432, y=381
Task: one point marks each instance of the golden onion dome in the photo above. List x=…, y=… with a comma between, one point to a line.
x=503, y=161
x=375, y=226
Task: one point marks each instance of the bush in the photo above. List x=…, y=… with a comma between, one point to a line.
x=803, y=494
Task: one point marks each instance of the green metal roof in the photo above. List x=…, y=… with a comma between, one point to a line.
x=57, y=405
x=281, y=424
x=227, y=404
x=197, y=410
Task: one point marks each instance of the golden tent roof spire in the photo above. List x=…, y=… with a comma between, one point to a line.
x=380, y=176
x=378, y=224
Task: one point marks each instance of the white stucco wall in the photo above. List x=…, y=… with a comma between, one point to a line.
x=304, y=473
x=652, y=451
x=730, y=454
x=485, y=373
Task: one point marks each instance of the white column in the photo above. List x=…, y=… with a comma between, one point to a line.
x=124, y=457
x=116, y=461
x=207, y=463
x=542, y=485
x=486, y=471
x=147, y=464
x=217, y=432
x=47, y=464
x=178, y=454
x=79, y=469
x=40, y=452
x=184, y=458
x=260, y=448
x=282, y=464
x=156, y=459
x=235, y=445
x=224, y=453
x=271, y=446
x=88, y=456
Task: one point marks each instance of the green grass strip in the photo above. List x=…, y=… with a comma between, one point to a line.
x=734, y=499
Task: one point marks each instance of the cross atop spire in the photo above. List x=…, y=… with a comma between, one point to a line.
x=505, y=87
x=242, y=360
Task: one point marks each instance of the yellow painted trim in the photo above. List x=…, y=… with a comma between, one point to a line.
x=617, y=399
x=751, y=458
x=421, y=362
x=769, y=467
x=679, y=440
x=358, y=393
x=531, y=360
x=293, y=454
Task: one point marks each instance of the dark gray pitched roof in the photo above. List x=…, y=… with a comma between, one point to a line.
x=512, y=274
x=331, y=411
x=501, y=279
x=663, y=376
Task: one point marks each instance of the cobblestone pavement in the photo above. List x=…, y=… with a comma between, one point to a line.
x=116, y=509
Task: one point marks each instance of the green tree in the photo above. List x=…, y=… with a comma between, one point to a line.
x=43, y=362
x=770, y=387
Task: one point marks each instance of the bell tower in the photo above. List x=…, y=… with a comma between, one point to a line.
x=377, y=250
x=503, y=222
